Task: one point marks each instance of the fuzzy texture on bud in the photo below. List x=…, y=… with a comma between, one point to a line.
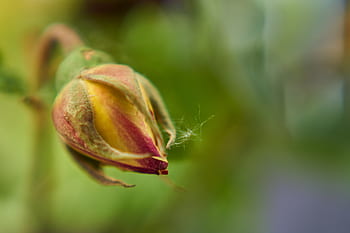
x=109, y=115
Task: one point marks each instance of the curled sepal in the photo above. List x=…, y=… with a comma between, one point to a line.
x=94, y=169
x=159, y=108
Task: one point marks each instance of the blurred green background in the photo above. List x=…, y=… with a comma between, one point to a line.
x=259, y=91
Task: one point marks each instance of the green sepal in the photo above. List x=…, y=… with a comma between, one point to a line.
x=78, y=60
x=94, y=169
x=160, y=109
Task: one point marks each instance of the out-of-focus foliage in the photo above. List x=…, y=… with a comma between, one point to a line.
x=257, y=89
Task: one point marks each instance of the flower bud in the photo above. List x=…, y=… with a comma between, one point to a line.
x=109, y=115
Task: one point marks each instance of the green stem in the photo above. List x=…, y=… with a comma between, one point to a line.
x=42, y=180
x=57, y=34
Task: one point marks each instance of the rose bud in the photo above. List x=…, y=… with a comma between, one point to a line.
x=109, y=115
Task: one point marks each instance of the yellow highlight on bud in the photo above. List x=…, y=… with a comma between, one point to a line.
x=110, y=115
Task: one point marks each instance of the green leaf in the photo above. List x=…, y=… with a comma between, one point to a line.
x=10, y=83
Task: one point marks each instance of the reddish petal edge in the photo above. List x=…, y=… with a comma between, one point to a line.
x=148, y=162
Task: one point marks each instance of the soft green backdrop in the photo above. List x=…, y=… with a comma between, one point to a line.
x=251, y=85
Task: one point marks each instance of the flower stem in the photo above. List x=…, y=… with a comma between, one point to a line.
x=42, y=179
x=57, y=34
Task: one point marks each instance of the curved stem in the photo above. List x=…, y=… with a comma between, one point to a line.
x=41, y=178
x=41, y=182
x=57, y=34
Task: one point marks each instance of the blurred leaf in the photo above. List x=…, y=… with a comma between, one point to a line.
x=10, y=83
